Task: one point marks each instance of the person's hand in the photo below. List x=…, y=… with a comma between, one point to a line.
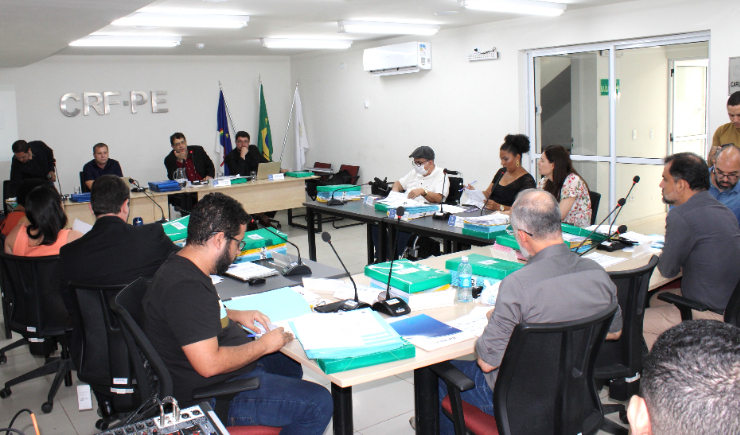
x=490, y=313
x=275, y=340
x=53, y=177
x=182, y=155
x=415, y=192
x=208, y=177
x=243, y=151
x=470, y=187
x=491, y=205
x=248, y=317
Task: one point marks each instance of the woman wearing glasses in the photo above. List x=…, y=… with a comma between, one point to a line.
x=564, y=183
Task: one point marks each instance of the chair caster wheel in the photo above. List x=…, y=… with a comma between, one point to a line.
x=101, y=425
x=5, y=392
x=3, y=359
x=47, y=407
x=623, y=417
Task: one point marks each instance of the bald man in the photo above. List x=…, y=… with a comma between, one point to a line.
x=724, y=178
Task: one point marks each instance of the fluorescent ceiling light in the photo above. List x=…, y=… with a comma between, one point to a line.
x=127, y=41
x=183, y=20
x=306, y=43
x=528, y=7
x=387, y=28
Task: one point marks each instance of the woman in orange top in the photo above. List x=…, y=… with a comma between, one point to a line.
x=18, y=215
x=44, y=235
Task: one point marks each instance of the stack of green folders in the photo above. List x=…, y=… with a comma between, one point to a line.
x=484, y=268
x=420, y=286
x=178, y=229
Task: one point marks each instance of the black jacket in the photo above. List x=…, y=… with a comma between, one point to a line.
x=243, y=166
x=201, y=161
x=39, y=166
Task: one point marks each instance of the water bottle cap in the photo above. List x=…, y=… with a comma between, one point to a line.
x=465, y=259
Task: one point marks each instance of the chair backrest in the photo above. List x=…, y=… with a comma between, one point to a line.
x=545, y=382
x=353, y=172
x=595, y=200
x=456, y=183
x=6, y=195
x=38, y=309
x=623, y=357
x=83, y=186
x=98, y=346
x=732, y=312
x=325, y=166
x=127, y=306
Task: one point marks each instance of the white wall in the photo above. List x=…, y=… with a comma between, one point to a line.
x=464, y=109
x=141, y=141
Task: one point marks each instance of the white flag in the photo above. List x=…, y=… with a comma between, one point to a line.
x=301, y=136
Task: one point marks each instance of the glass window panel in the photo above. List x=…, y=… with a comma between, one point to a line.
x=645, y=203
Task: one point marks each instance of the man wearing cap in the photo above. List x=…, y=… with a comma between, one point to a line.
x=424, y=182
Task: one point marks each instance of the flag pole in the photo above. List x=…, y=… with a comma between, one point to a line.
x=290, y=117
x=228, y=112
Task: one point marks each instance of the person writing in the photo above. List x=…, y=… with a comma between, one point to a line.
x=512, y=178
x=45, y=233
x=563, y=182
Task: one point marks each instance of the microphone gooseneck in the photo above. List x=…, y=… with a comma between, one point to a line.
x=490, y=195
x=325, y=236
x=151, y=198
x=620, y=204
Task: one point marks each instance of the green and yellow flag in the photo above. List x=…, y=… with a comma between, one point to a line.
x=265, y=136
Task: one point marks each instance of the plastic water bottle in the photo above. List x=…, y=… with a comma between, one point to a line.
x=464, y=278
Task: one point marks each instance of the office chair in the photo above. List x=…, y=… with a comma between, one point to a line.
x=685, y=305
x=83, y=186
x=545, y=383
x=619, y=362
x=100, y=354
x=38, y=314
x=152, y=374
x=351, y=176
x=5, y=296
x=595, y=200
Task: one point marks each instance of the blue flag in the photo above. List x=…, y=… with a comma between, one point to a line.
x=223, y=129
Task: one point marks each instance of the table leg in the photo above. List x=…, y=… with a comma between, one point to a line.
x=343, y=424
x=319, y=219
x=370, y=247
x=311, y=234
x=426, y=401
x=447, y=247
x=290, y=217
x=455, y=247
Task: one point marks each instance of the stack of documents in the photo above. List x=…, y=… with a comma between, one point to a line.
x=486, y=227
x=280, y=304
x=485, y=268
x=429, y=333
x=246, y=271
x=178, y=229
x=395, y=200
x=474, y=322
x=414, y=211
x=347, y=334
x=343, y=192
x=408, y=276
x=261, y=244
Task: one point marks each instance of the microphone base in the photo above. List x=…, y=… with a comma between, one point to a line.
x=345, y=305
x=392, y=307
x=334, y=201
x=441, y=216
x=161, y=221
x=139, y=189
x=295, y=269
x=610, y=246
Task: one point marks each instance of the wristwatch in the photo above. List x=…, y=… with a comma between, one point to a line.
x=425, y=193
x=502, y=208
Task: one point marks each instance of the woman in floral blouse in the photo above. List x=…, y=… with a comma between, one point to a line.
x=564, y=183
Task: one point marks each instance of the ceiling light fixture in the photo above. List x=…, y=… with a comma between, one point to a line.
x=527, y=7
x=183, y=20
x=306, y=43
x=378, y=27
x=127, y=41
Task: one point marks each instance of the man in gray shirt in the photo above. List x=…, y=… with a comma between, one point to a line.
x=702, y=240
x=555, y=286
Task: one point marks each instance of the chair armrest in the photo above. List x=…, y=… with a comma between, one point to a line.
x=231, y=388
x=683, y=304
x=452, y=375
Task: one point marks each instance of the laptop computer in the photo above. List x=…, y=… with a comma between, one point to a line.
x=266, y=169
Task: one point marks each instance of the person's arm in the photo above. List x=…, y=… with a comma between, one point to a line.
x=679, y=241
x=50, y=161
x=15, y=176
x=170, y=165
x=397, y=187
x=431, y=197
x=568, y=194
x=210, y=169
x=117, y=169
x=565, y=205
x=89, y=184
x=10, y=240
x=491, y=345
x=248, y=318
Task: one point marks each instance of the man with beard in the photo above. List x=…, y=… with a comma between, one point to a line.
x=543, y=291
x=202, y=344
x=702, y=240
x=724, y=176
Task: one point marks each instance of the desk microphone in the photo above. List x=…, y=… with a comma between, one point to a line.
x=492, y=189
x=613, y=245
x=136, y=183
x=393, y=307
x=334, y=201
x=635, y=180
x=620, y=204
x=294, y=268
x=347, y=304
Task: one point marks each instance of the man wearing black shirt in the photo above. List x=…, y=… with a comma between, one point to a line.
x=244, y=158
x=31, y=160
x=204, y=344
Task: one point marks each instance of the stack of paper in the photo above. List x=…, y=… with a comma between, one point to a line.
x=474, y=322
x=344, y=335
x=408, y=276
x=414, y=212
x=280, y=304
x=429, y=333
x=604, y=260
x=246, y=271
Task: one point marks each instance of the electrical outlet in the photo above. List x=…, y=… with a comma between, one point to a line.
x=634, y=134
x=652, y=133
x=631, y=198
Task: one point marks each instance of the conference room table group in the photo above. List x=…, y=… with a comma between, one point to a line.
x=286, y=194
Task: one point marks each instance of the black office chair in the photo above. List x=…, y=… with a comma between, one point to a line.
x=455, y=193
x=83, y=186
x=595, y=200
x=38, y=313
x=685, y=305
x=152, y=375
x=5, y=296
x=100, y=353
x=619, y=362
x=545, y=383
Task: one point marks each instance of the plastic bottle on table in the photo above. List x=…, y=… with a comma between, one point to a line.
x=464, y=277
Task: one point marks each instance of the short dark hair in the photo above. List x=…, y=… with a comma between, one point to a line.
x=734, y=99
x=25, y=187
x=99, y=145
x=516, y=144
x=20, y=146
x=536, y=212
x=177, y=135
x=690, y=379
x=45, y=213
x=215, y=213
x=108, y=194
x=242, y=134
x=691, y=168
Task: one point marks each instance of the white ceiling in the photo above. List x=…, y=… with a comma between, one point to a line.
x=31, y=30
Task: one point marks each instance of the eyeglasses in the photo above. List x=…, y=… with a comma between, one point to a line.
x=729, y=176
x=419, y=164
x=241, y=243
x=525, y=232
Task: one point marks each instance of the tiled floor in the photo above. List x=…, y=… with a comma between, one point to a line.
x=374, y=413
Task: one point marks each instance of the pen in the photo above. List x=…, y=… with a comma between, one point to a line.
x=470, y=184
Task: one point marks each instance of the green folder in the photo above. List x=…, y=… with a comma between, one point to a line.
x=330, y=366
x=262, y=238
x=241, y=180
x=341, y=187
x=174, y=229
x=578, y=231
x=302, y=174
x=486, y=266
x=408, y=276
x=482, y=235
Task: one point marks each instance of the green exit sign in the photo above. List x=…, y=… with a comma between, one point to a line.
x=605, y=86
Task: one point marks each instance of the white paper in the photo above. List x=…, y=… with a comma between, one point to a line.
x=366, y=294
x=453, y=209
x=178, y=225
x=473, y=322
x=433, y=343
x=347, y=329
x=310, y=297
x=80, y=226
x=247, y=270
x=604, y=260
x=492, y=219
x=215, y=279
x=475, y=197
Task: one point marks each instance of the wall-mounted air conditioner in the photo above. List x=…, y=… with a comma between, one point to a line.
x=403, y=58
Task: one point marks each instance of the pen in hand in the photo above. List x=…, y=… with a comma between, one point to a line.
x=469, y=185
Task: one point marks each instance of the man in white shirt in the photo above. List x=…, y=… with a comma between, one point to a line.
x=426, y=182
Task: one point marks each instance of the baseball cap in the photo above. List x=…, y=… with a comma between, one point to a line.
x=423, y=152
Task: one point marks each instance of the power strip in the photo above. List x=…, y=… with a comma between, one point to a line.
x=196, y=420
x=488, y=56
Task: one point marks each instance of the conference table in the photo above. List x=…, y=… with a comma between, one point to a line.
x=425, y=381
x=256, y=197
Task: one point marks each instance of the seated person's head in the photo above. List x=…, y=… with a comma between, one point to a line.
x=683, y=174
x=512, y=149
x=25, y=187
x=690, y=382
x=242, y=139
x=45, y=213
x=423, y=160
x=178, y=142
x=535, y=218
x=108, y=195
x=727, y=167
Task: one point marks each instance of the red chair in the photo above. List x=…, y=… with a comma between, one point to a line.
x=353, y=172
x=323, y=166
